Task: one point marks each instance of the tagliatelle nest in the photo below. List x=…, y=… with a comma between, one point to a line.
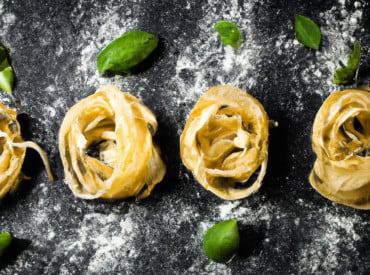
x=106, y=147
x=13, y=150
x=341, y=141
x=225, y=142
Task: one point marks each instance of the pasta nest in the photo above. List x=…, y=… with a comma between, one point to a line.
x=106, y=147
x=225, y=141
x=13, y=151
x=341, y=142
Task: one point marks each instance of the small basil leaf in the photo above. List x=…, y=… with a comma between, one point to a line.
x=345, y=75
x=5, y=240
x=126, y=52
x=229, y=34
x=7, y=79
x=221, y=241
x=354, y=58
x=307, y=32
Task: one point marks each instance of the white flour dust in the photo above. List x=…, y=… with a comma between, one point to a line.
x=206, y=62
x=7, y=19
x=336, y=236
x=110, y=238
x=203, y=63
x=338, y=26
x=321, y=248
x=233, y=209
x=106, y=25
x=225, y=211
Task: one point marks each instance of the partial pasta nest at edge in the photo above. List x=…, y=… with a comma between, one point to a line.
x=341, y=141
x=13, y=150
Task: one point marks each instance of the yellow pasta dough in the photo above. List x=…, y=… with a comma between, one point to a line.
x=341, y=141
x=225, y=142
x=105, y=143
x=13, y=150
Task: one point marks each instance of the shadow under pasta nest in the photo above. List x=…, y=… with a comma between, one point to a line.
x=168, y=141
x=31, y=169
x=278, y=166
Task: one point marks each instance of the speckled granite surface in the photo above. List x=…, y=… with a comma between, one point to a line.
x=287, y=228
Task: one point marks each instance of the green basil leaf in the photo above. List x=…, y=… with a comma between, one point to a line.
x=307, y=32
x=6, y=71
x=343, y=75
x=127, y=51
x=4, y=64
x=5, y=240
x=7, y=79
x=221, y=241
x=354, y=58
x=229, y=34
x=346, y=74
x=3, y=58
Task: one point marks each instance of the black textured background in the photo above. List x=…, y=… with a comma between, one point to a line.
x=286, y=227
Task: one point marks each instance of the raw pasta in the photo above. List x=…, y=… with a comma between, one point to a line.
x=13, y=150
x=341, y=141
x=225, y=142
x=106, y=147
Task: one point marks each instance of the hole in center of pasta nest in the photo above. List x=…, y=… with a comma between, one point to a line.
x=358, y=125
x=103, y=150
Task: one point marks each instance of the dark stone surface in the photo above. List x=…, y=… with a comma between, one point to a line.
x=286, y=227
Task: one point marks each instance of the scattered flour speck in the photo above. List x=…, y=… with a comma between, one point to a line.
x=50, y=111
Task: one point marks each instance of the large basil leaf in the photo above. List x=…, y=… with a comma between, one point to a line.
x=126, y=52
